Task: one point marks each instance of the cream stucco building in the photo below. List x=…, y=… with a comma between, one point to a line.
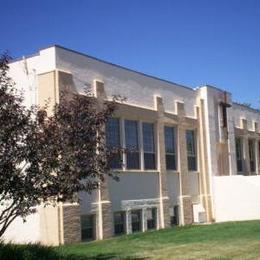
x=196, y=159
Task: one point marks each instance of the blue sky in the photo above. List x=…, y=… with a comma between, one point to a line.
x=190, y=42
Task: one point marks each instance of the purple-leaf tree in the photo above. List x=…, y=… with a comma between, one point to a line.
x=49, y=158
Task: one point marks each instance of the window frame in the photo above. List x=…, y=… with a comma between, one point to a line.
x=122, y=213
x=195, y=155
x=175, y=147
x=138, y=150
x=120, y=156
x=240, y=139
x=92, y=216
x=144, y=152
x=252, y=155
x=140, y=223
x=154, y=212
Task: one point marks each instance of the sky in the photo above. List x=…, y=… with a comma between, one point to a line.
x=190, y=42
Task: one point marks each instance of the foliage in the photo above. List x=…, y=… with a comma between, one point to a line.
x=73, y=146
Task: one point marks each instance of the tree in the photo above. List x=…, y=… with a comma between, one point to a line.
x=73, y=146
x=45, y=159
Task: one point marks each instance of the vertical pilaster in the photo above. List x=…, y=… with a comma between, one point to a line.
x=204, y=167
x=71, y=223
x=164, y=214
x=246, y=148
x=104, y=214
x=144, y=220
x=256, y=150
x=185, y=203
x=128, y=222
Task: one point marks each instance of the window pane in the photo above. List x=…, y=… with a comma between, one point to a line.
x=239, y=154
x=87, y=230
x=148, y=137
x=136, y=220
x=131, y=140
x=191, y=150
x=113, y=132
x=190, y=138
x=148, y=144
x=113, y=141
x=169, y=137
x=151, y=218
x=170, y=162
x=251, y=147
x=131, y=134
x=149, y=161
x=119, y=222
x=192, y=163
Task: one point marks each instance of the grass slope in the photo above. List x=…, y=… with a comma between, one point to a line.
x=233, y=240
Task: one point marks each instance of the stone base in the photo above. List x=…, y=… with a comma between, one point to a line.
x=186, y=211
x=206, y=200
x=71, y=224
x=107, y=218
x=166, y=212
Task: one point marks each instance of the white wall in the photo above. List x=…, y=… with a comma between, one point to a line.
x=24, y=73
x=249, y=114
x=24, y=232
x=137, y=88
x=133, y=186
x=236, y=198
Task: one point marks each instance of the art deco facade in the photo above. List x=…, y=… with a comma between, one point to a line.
x=195, y=159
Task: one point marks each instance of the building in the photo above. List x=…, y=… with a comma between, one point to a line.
x=196, y=159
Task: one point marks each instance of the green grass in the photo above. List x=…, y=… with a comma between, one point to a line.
x=232, y=240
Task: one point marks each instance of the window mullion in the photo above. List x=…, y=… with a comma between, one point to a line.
x=141, y=146
x=123, y=142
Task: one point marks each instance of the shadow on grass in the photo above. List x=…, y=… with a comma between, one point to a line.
x=38, y=252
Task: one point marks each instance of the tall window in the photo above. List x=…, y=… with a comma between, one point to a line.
x=113, y=141
x=251, y=147
x=169, y=136
x=239, y=154
x=119, y=222
x=191, y=150
x=136, y=218
x=132, y=144
x=148, y=145
x=87, y=227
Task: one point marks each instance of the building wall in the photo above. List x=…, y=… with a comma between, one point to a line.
x=24, y=232
x=149, y=99
x=237, y=198
x=137, y=88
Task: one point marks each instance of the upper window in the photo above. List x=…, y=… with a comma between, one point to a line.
x=113, y=141
x=132, y=145
x=239, y=154
x=251, y=147
x=191, y=150
x=148, y=145
x=169, y=137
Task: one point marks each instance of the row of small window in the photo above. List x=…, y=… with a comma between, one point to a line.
x=136, y=221
x=134, y=135
x=240, y=154
x=88, y=222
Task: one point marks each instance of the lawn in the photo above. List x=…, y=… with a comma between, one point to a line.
x=232, y=240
